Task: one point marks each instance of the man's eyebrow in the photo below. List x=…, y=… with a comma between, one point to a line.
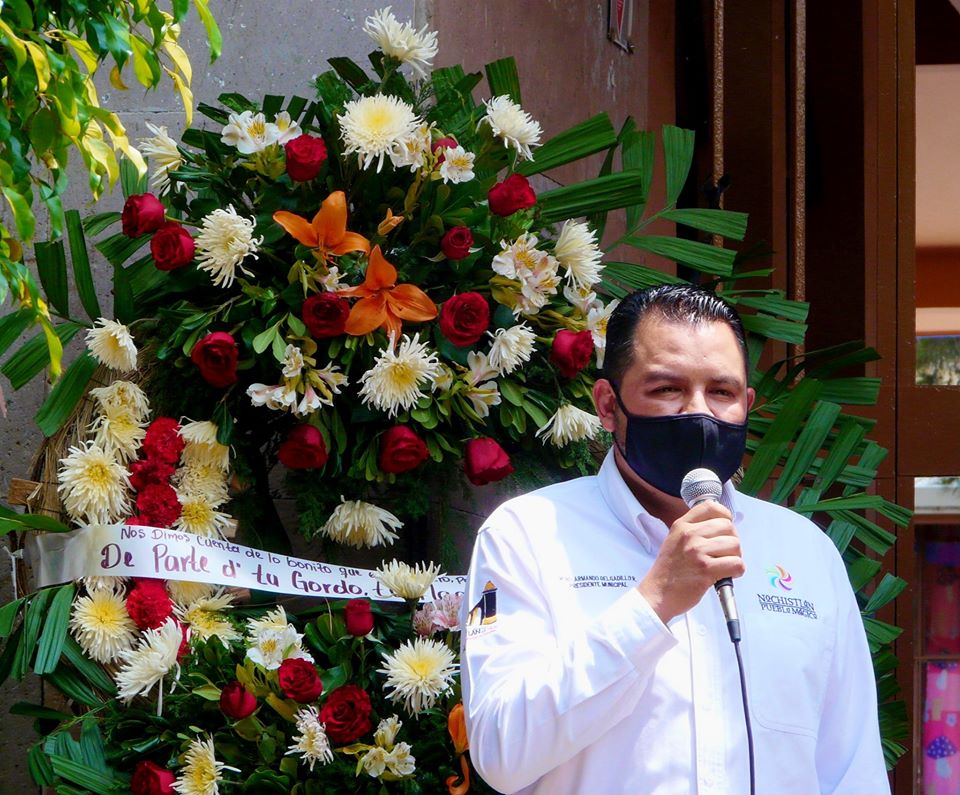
x=670, y=376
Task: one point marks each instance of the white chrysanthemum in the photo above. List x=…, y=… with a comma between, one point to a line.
x=292, y=361
x=597, y=319
x=396, y=380
x=361, y=524
x=201, y=478
x=225, y=240
x=457, y=165
x=578, y=253
x=269, y=647
x=94, y=487
x=570, y=424
x=406, y=581
x=112, y=345
x=145, y=666
x=418, y=673
x=118, y=432
x=199, y=516
x=184, y=592
x=101, y=582
x=272, y=619
x=386, y=734
x=202, y=445
x=164, y=156
x=402, y=41
x=511, y=347
x=202, y=773
x=374, y=127
x=206, y=619
x=250, y=132
x=311, y=742
x=123, y=395
x=511, y=124
x=101, y=625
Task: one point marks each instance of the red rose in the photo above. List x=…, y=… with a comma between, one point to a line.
x=513, y=194
x=236, y=702
x=299, y=680
x=359, y=619
x=148, y=604
x=464, y=318
x=401, y=450
x=485, y=461
x=141, y=215
x=346, y=714
x=571, y=351
x=150, y=470
x=325, y=315
x=447, y=142
x=158, y=503
x=456, y=243
x=216, y=355
x=172, y=247
x=151, y=779
x=306, y=155
x=163, y=441
x=303, y=448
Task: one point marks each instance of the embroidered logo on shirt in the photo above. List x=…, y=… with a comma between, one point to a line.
x=482, y=617
x=780, y=577
x=775, y=603
x=600, y=580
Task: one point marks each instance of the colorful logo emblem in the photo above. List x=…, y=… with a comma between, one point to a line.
x=482, y=617
x=780, y=578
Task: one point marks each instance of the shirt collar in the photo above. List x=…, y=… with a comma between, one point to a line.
x=648, y=529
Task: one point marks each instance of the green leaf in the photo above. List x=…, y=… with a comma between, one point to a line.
x=39, y=764
x=54, y=634
x=35, y=355
x=852, y=391
x=22, y=214
x=12, y=326
x=87, y=668
x=775, y=329
x=708, y=259
x=861, y=571
x=502, y=78
x=132, y=182
x=591, y=196
x=52, y=268
x=581, y=140
x=82, y=775
x=210, y=25
x=725, y=223
x=638, y=153
x=678, y=156
x=95, y=224
x=352, y=74
x=890, y=588
x=82, y=275
x=805, y=449
x=66, y=393
x=32, y=622
x=772, y=302
x=784, y=428
x=68, y=683
x=841, y=450
x=8, y=616
x=880, y=633
x=633, y=277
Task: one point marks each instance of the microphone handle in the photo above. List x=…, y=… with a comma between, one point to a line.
x=724, y=588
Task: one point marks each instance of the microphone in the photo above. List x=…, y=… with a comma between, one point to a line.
x=702, y=485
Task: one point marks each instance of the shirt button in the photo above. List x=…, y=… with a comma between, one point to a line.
x=701, y=630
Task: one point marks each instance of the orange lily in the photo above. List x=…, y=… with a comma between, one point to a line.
x=383, y=302
x=328, y=231
x=457, y=727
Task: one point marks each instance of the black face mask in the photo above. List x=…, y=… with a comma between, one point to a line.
x=662, y=450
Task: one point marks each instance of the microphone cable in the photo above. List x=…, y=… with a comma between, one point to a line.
x=703, y=485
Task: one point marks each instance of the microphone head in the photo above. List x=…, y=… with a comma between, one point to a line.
x=699, y=485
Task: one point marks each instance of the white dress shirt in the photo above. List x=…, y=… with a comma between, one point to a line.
x=573, y=685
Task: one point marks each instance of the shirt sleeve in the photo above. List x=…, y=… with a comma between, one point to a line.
x=532, y=701
x=849, y=753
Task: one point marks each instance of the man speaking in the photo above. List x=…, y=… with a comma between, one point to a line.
x=596, y=657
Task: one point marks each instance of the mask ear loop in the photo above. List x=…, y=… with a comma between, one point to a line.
x=616, y=442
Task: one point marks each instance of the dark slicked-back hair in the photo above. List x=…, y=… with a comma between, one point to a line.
x=679, y=303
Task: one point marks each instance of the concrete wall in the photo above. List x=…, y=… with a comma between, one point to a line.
x=267, y=48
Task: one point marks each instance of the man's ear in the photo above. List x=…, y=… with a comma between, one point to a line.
x=751, y=396
x=606, y=403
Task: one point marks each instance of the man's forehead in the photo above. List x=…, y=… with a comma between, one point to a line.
x=658, y=339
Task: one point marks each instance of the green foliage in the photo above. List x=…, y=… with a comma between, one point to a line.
x=50, y=53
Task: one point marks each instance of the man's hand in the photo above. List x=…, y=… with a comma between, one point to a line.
x=701, y=548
